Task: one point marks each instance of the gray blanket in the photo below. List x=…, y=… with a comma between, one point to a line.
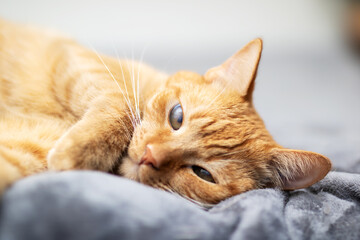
x=93, y=205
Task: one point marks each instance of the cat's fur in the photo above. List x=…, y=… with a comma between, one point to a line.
x=64, y=107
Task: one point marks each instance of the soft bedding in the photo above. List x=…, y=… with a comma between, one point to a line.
x=94, y=205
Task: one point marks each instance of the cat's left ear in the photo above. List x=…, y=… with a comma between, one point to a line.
x=239, y=71
x=299, y=169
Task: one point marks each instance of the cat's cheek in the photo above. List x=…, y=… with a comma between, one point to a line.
x=185, y=183
x=190, y=186
x=131, y=152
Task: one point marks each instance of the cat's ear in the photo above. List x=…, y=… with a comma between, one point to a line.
x=239, y=71
x=299, y=169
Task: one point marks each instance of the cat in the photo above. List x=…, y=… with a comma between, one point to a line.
x=64, y=107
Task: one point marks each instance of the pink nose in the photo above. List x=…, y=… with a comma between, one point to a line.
x=148, y=158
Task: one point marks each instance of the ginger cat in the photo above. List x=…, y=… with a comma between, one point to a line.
x=64, y=107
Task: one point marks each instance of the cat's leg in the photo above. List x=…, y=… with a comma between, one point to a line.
x=8, y=174
x=97, y=140
x=16, y=164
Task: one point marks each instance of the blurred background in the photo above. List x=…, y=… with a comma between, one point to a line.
x=308, y=84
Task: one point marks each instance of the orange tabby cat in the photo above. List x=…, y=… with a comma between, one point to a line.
x=64, y=107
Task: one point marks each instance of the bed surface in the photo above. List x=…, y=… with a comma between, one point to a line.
x=94, y=205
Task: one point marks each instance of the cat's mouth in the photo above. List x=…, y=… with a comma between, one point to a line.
x=135, y=170
x=147, y=163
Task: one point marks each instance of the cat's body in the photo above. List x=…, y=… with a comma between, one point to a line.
x=65, y=107
x=47, y=84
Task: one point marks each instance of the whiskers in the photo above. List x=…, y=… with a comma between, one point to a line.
x=138, y=78
x=133, y=84
x=133, y=103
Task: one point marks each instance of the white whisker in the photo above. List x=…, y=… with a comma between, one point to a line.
x=127, y=134
x=136, y=88
x=123, y=77
x=132, y=85
x=112, y=76
x=138, y=80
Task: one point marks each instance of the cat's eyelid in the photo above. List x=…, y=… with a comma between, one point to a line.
x=191, y=167
x=169, y=105
x=183, y=107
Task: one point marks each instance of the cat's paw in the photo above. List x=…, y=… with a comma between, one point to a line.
x=59, y=157
x=95, y=142
x=81, y=148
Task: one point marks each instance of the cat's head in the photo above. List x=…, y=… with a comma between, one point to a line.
x=202, y=138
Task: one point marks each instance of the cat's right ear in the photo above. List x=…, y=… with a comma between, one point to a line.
x=239, y=71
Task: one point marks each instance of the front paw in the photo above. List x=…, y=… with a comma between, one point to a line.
x=78, y=149
x=59, y=157
x=95, y=142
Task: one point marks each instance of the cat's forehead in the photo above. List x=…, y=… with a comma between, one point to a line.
x=185, y=77
x=198, y=94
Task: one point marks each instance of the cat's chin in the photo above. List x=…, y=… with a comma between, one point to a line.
x=132, y=170
x=129, y=169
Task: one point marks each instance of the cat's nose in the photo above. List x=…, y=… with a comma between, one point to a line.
x=148, y=158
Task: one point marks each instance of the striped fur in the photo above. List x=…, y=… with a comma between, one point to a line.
x=64, y=107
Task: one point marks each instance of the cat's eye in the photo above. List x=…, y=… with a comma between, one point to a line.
x=203, y=173
x=176, y=117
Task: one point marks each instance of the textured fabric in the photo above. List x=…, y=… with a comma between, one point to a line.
x=94, y=205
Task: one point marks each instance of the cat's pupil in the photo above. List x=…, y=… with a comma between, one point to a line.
x=176, y=116
x=203, y=173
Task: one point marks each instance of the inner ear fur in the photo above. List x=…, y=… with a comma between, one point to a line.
x=299, y=169
x=239, y=71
